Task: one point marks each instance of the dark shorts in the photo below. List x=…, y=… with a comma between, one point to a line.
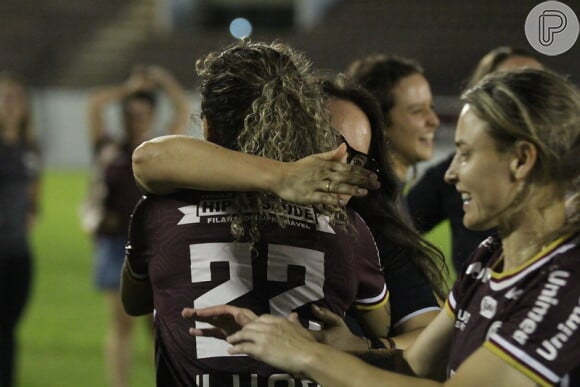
x=109, y=256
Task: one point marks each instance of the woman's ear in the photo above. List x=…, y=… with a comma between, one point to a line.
x=525, y=155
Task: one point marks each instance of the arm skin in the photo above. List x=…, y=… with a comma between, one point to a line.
x=375, y=322
x=168, y=163
x=106, y=95
x=407, y=332
x=337, y=334
x=288, y=346
x=141, y=79
x=227, y=319
x=177, y=97
x=97, y=103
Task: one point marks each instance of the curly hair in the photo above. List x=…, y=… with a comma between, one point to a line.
x=543, y=108
x=259, y=99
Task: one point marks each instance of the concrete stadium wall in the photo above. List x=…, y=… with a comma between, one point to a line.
x=61, y=125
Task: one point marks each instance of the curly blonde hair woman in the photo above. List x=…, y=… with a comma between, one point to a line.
x=251, y=249
x=280, y=116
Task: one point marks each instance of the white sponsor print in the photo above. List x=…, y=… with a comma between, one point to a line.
x=488, y=307
x=550, y=348
x=255, y=380
x=463, y=317
x=478, y=272
x=493, y=328
x=546, y=299
x=514, y=293
x=215, y=211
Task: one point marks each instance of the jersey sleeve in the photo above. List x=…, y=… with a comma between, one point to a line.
x=410, y=293
x=136, y=250
x=372, y=291
x=541, y=336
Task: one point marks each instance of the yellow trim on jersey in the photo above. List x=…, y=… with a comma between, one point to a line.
x=374, y=306
x=542, y=253
x=517, y=365
x=448, y=309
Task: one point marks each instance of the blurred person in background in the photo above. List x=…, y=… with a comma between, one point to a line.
x=114, y=193
x=19, y=203
x=405, y=98
x=430, y=199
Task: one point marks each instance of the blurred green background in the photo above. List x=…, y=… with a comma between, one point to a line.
x=62, y=332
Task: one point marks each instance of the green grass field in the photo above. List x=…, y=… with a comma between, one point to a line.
x=63, y=329
x=61, y=335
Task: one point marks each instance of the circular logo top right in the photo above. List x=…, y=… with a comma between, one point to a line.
x=552, y=28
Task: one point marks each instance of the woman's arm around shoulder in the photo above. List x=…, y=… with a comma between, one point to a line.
x=169, y=163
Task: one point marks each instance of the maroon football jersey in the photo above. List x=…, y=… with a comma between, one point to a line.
x=529, y=316
x=193, y=261
x=121, y=191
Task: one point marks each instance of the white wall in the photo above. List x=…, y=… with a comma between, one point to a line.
x=60, y=122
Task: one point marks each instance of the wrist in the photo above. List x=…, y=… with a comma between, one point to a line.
x=380, y=343
x=274, y=177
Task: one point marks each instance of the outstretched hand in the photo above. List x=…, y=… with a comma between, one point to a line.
x=282, y=343
x=226, y=320
x=324, y=178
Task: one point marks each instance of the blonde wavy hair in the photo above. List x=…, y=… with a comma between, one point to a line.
x=259, y=99
x=543, y=108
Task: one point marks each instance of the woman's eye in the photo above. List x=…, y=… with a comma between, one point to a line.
x=358, y=160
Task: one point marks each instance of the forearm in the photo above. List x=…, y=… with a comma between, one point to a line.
x=168, y=163
x=97, y=102
x=404, y=340
x=407, y=332
x=179, y=102
x=333, y=368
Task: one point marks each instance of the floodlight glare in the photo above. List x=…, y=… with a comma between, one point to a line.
x=240, y=28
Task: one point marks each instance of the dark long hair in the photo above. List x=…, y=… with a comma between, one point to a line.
x=379, y=74
x=379, y=209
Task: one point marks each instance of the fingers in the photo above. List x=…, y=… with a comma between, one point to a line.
x=241, y=315
x=207, y=332
x=188, y=313
x=293, y=317
x=347, y=179
x=336, y=154
x=326, y=316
